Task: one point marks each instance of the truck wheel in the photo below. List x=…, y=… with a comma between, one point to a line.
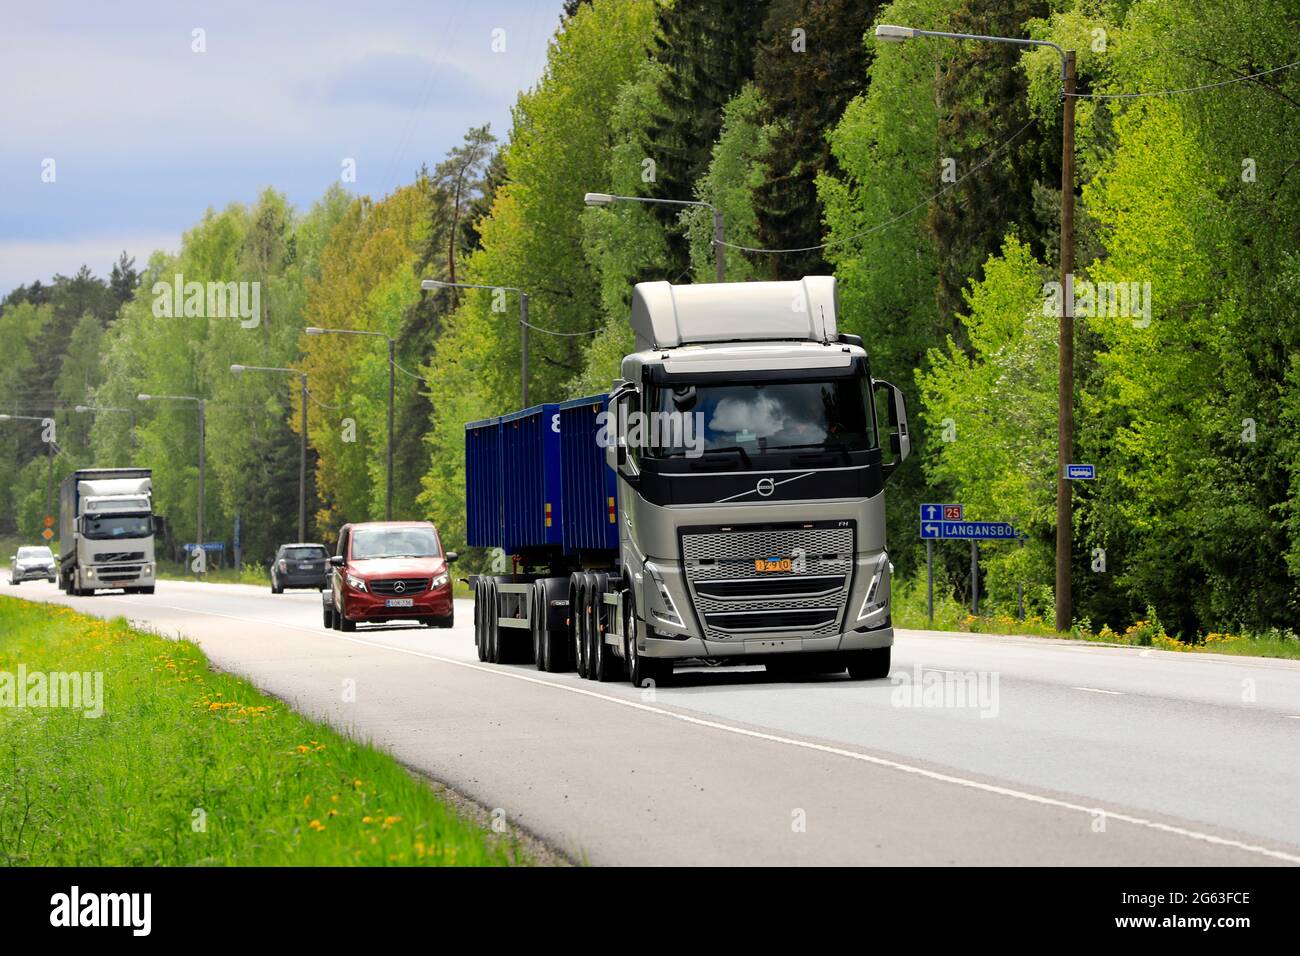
x=480, y=638
x=643, y=671
x=14, y=581
x=148, y=590
x=490, y=628
x=591, y=619
x=577, y=617
x=556, y=644
x=607, y=663
x=872, y=664
x=537, y=622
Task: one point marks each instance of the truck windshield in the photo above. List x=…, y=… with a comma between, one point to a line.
x=395, y=543
x=103, y=527
x=753, y=418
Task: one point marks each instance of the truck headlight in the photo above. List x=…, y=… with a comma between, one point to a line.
x=877, y=597
x=90, y=572
x=665, y=610
x=438, y=582
x=356, y=583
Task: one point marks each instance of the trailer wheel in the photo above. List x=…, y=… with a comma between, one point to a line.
x=872, y=664
x=480, y=638
x=537, y=622
x=577, y=619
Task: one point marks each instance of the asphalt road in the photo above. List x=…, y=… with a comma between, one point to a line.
x=978, y=750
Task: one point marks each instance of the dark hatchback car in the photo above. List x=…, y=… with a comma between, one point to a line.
x=300, y=566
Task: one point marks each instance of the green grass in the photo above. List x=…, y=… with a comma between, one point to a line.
x=179, y=743
x=249, y=574
x=909, y=611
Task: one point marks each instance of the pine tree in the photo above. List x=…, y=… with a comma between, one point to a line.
x=707, y=49
x=811, y=61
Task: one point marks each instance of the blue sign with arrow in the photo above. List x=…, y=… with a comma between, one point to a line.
x=969, y=530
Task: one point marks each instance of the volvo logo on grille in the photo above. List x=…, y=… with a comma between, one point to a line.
x=399, y=587
x=765, y=486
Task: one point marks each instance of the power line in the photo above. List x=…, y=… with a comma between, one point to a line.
x=1186, y=89
x=889, y=222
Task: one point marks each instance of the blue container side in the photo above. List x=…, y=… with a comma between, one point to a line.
x=484, y=519
x=589, y=488
x=530, y=478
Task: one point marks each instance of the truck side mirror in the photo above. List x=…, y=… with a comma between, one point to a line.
x=900, y=440
x=616, y=455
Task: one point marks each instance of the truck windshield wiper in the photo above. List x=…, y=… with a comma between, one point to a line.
x=744, y=455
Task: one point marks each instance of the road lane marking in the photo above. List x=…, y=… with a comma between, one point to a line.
x=915, y=771
x=1098, y=690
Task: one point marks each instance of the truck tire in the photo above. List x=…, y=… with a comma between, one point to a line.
x=328, y=613
x=595, y=586
x=872, y=664
x=642, y=671
x=490, y=627
x=577, y=617
x=556, y=642
x=607, y=665
x=480, y=635
x=537, y=622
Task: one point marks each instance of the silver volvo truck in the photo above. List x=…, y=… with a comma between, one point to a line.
x=751, y=446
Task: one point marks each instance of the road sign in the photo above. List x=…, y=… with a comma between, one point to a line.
x=969, y=530
x=942, y=512
x=49, y=522
x=47, y=534
x=1081, y=472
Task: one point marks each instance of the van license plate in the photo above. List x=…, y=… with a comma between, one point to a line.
x=400, y=602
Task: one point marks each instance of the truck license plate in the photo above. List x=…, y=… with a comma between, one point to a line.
x=400, y=602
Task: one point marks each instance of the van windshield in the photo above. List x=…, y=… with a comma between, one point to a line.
x=395, y=543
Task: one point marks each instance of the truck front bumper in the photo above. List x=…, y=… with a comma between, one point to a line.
x=109, y=576
x=756, y=647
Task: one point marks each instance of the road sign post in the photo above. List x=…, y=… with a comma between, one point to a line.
x=929, y=581
x=974, y=578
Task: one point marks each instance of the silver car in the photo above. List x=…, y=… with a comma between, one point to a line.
x=31, y=564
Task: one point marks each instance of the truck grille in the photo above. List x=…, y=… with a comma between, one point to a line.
x=126, y=572
x=733, y=597
x=408, y=586
x=116, y=556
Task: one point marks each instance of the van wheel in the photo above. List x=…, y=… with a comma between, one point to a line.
x=872, y=664
x=343, y=623
x=329, y=618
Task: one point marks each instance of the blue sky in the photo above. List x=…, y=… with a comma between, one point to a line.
x=146, y=134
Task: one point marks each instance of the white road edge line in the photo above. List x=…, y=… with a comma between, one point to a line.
x=1098, y=690
x=776, y=738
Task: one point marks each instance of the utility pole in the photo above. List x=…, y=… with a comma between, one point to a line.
x=1065, y=353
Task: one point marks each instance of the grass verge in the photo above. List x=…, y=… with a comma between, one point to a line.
x=909, y=611
x=190, y=766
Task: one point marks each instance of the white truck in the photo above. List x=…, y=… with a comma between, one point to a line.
x=106, y=531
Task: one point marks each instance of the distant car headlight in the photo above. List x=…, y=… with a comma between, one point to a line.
x=438, y=582
x=356, y=583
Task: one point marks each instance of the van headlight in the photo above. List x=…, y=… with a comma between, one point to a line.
x=356, y=583
x=665, y=609
x=438, y=582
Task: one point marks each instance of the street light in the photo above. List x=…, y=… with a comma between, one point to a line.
x=392, y=388
x=302, y=456
x=719, y=250
x=49, y=447
x=202, y=404
x=428, y=284
x=891, y=33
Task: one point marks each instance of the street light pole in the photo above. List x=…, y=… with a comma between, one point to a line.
x=392, y=392
x=302, y=444
x=428, y=284
x=1065, y=341
x=49, y=448
x=719, y=244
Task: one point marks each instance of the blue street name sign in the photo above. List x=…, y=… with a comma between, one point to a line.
x=969, y=530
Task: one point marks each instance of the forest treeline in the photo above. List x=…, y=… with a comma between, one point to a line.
x=924, y=174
